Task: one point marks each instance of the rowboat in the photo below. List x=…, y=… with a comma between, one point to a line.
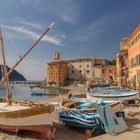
x=24, y=115
x=115, y=96
x=82, y=113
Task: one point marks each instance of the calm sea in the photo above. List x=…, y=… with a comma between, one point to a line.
x=20, y=92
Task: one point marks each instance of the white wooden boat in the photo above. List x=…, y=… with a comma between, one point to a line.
x=111, y=96
x=85, y=105
x=24, y=115
x=81, y=113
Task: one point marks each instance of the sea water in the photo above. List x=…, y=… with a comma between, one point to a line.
x=20, y=92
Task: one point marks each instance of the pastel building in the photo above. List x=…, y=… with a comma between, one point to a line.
x=83, y=68
x=78, y=69
x=128, y=60
x=133, y=42
x=122, y=63
x=108, y=72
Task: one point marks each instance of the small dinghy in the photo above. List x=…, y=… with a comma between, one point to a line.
x=81, y=113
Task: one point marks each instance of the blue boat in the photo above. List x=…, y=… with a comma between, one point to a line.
x=81, y=113
x=113, y=93
x=81, y=119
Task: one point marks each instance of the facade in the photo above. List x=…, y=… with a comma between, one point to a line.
x=108, y=72
x=122, y=63
x=133, y=42
x=78, y=69
x=128, y=60
x=57, y=72
x=83, y=68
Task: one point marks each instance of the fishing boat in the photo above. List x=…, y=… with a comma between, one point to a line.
x=113, y=94
x=24, y=115
x=88, y=105
x=81, y=113
x=123, y=96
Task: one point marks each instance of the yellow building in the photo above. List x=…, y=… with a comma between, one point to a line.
x=133, y=41
x=128, y=60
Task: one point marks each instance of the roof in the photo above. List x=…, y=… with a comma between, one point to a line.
x=133, y=32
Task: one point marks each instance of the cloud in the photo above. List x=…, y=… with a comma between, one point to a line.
x=65, y=10
x=34, y=35
x=93, y=30
x=25, y=22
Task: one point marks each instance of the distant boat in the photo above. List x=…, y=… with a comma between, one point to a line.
x=113, y=93
x=42, y=92
x=24, y=115
x=123, y=96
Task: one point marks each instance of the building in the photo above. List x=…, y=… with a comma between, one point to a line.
x=57, y=71
x=128, y=60
x=133, y=42
x=83, y=68
x=78, y=69
x=122, y=63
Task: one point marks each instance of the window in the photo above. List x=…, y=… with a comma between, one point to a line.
x=72, y=71
x=79, y=66
x=80, y=71
x=87, y=71
x=87, y=66
x=72, y=66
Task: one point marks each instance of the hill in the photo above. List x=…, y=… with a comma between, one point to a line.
x=14, y=76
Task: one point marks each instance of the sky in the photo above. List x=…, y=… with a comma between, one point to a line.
x=83, y=28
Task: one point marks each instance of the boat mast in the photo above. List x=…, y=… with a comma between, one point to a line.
x=4, y=71
x=22, y=57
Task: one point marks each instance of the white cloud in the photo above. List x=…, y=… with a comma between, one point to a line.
x=25, y=22
x=34, y=35
x=91, y=31
x=66, y=10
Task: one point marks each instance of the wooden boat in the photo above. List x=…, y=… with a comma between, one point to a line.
x=24, y=115
x=88, y=105
x=115, y=96
x=81, y=113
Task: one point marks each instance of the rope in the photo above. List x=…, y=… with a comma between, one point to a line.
x=16, y=50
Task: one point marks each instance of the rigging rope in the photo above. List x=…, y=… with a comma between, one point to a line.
x=16, y=50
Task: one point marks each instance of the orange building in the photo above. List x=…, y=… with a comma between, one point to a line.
x=57, y=72
x=133, y=41
x=128, y=59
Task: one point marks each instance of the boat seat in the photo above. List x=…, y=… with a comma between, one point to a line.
x=68, y=104
x=86, y=105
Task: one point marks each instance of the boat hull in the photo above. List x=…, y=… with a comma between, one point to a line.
x=37, y=119
x=44, y=131
x=73, y=115
x=127, y=96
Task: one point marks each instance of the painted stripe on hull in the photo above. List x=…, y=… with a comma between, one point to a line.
x=31, y=120
x=109, y=96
